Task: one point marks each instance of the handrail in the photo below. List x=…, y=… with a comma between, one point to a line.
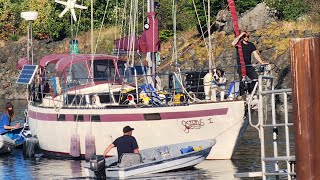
x=249, y=109
x=276, y=91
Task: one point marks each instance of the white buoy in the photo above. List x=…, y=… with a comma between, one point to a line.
x=90, y=146
x=75, y=145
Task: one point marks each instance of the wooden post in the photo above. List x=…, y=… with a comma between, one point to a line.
x=305, y=69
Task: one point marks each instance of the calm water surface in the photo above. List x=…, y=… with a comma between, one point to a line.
x=245, y=159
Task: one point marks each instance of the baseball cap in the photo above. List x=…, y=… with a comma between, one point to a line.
x=127, y=129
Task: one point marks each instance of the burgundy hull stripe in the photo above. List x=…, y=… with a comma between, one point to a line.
x=191, y=114
x=86, y=117
x=70, y=117
x=121, y=117
x=43, y=116
x=133, y=117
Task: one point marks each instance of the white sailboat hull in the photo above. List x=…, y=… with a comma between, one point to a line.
x=154, y=126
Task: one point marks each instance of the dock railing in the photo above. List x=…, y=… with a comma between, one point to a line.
x=270, y=163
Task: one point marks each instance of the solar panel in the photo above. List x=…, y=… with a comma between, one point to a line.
x=27, y=73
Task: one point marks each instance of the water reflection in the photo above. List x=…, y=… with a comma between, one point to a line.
x=14, y=166
x=76, y=170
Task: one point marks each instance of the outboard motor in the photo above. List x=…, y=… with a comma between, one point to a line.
x=98, y=166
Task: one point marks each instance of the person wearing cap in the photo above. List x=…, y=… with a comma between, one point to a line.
x=124, y=144
x=6, y=119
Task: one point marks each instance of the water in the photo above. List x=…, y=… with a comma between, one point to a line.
x=245, y=159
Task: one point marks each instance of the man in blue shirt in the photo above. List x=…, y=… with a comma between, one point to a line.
x=6, y=118
x=125, y=144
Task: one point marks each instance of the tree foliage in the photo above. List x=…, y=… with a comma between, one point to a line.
x=9, y=18
x=49, y=25
x=289, y=9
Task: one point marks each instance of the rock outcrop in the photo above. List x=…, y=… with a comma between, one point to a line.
x=255, y=19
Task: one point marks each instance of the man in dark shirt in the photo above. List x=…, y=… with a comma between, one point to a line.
x=125, y=144
x=248, y=48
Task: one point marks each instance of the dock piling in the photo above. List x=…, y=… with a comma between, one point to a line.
x=305, y=69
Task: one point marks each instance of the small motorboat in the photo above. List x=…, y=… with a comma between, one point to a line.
x=153, y=160
x=12, y=139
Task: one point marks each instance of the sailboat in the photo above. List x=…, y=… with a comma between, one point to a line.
x=96, y=94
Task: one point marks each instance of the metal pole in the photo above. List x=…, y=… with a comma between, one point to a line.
x=209, y=39
x=152, y=54
x=31, y=43
x=305, y=69
x=175, y=52
x=286, y=121
x=150, y=7
x=92, y=70
x=275, y=131
x=28, y=44
x=261, y=122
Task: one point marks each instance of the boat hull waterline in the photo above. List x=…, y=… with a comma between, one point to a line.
x=222, y=121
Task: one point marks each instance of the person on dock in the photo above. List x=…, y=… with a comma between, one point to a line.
x=125, y=144
x=6, y=118
x=248, y=48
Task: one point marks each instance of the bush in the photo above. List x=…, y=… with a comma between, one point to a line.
x=13, y=37
x=164, y=35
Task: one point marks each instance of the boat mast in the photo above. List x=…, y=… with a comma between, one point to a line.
x=154, y=28
x=150, y=6
x=92, y=70
x=209, y=39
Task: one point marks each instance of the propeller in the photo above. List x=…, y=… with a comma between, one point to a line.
x=70, y=5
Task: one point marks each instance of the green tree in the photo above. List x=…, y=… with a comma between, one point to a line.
x=184, y=17
x=245, y=5
x=50, y=25
x=9, y=18
x=289, y=9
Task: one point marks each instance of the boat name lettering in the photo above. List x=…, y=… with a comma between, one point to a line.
x=210, y=120
x=192, y=124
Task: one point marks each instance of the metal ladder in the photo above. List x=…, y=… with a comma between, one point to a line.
x=264, y=91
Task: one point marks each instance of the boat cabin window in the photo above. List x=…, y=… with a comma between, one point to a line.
x=121, y=67
x=50, y=70
x=130, y=72
x=77, y=74
x=104, y=70
x=76, y=100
